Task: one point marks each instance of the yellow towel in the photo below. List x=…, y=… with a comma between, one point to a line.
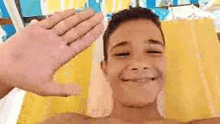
x=192, y=88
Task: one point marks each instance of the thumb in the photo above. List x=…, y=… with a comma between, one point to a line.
x=54, y=89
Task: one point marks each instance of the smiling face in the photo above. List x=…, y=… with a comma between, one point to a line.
x=136, y=63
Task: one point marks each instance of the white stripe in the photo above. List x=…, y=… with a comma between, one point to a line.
x=143, y=3
x=17, y=106
x=157, y=3
x=103, y=11
x=87, y=3
x=113, y=6
x=99, y=89
x=62, y=5
x=133, y=3
x=43, y=4
x=14, y=14
x=11, y=106
x=201, y=70
x=102, y=6
x=120, y=5
x=71, y=3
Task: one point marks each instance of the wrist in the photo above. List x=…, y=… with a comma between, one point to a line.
x=4, y=87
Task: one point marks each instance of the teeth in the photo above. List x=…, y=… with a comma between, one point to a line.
x=141, y=80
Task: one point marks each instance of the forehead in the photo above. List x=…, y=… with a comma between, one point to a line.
x=135, y=30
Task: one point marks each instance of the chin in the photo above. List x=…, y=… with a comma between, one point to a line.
x=136, y=96
x=139, y=102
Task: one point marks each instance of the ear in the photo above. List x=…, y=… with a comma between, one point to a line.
x=104, y=67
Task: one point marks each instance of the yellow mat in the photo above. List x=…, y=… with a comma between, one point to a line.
x=192, y=88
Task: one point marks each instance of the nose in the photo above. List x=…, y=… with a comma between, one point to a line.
x=139, y=66
x=138, y=69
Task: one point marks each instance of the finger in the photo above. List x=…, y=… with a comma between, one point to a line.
x=56, y=18
x=72, y=21
x=82, y=28
x=84, y=42
x=34, y=21
x=54, y=89
x=80, y=44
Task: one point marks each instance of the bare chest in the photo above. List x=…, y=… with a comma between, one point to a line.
x=116, y=121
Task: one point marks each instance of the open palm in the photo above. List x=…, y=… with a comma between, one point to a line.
x=30, y=58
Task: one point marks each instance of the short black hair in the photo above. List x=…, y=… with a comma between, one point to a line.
x=128, y=15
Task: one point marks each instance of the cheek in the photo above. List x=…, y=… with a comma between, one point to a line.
x=114, y=68
x=160, y=66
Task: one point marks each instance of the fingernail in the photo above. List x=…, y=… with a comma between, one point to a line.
x=34, y=21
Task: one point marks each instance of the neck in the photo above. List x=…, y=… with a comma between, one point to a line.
x=131, y=114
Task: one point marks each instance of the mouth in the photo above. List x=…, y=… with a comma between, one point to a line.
x=139, y=80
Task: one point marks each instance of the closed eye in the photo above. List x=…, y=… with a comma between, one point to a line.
x=154, y=52
x=122, y=54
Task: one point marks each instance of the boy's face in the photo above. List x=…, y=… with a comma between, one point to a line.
x=136, y=63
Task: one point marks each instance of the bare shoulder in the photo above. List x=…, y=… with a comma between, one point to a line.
x=215, y=120
x=68, y=118
x=168, y=121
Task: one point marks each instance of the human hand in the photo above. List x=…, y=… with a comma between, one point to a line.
x=31, y=57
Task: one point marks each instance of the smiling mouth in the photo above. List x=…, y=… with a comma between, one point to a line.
x=139, y=80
